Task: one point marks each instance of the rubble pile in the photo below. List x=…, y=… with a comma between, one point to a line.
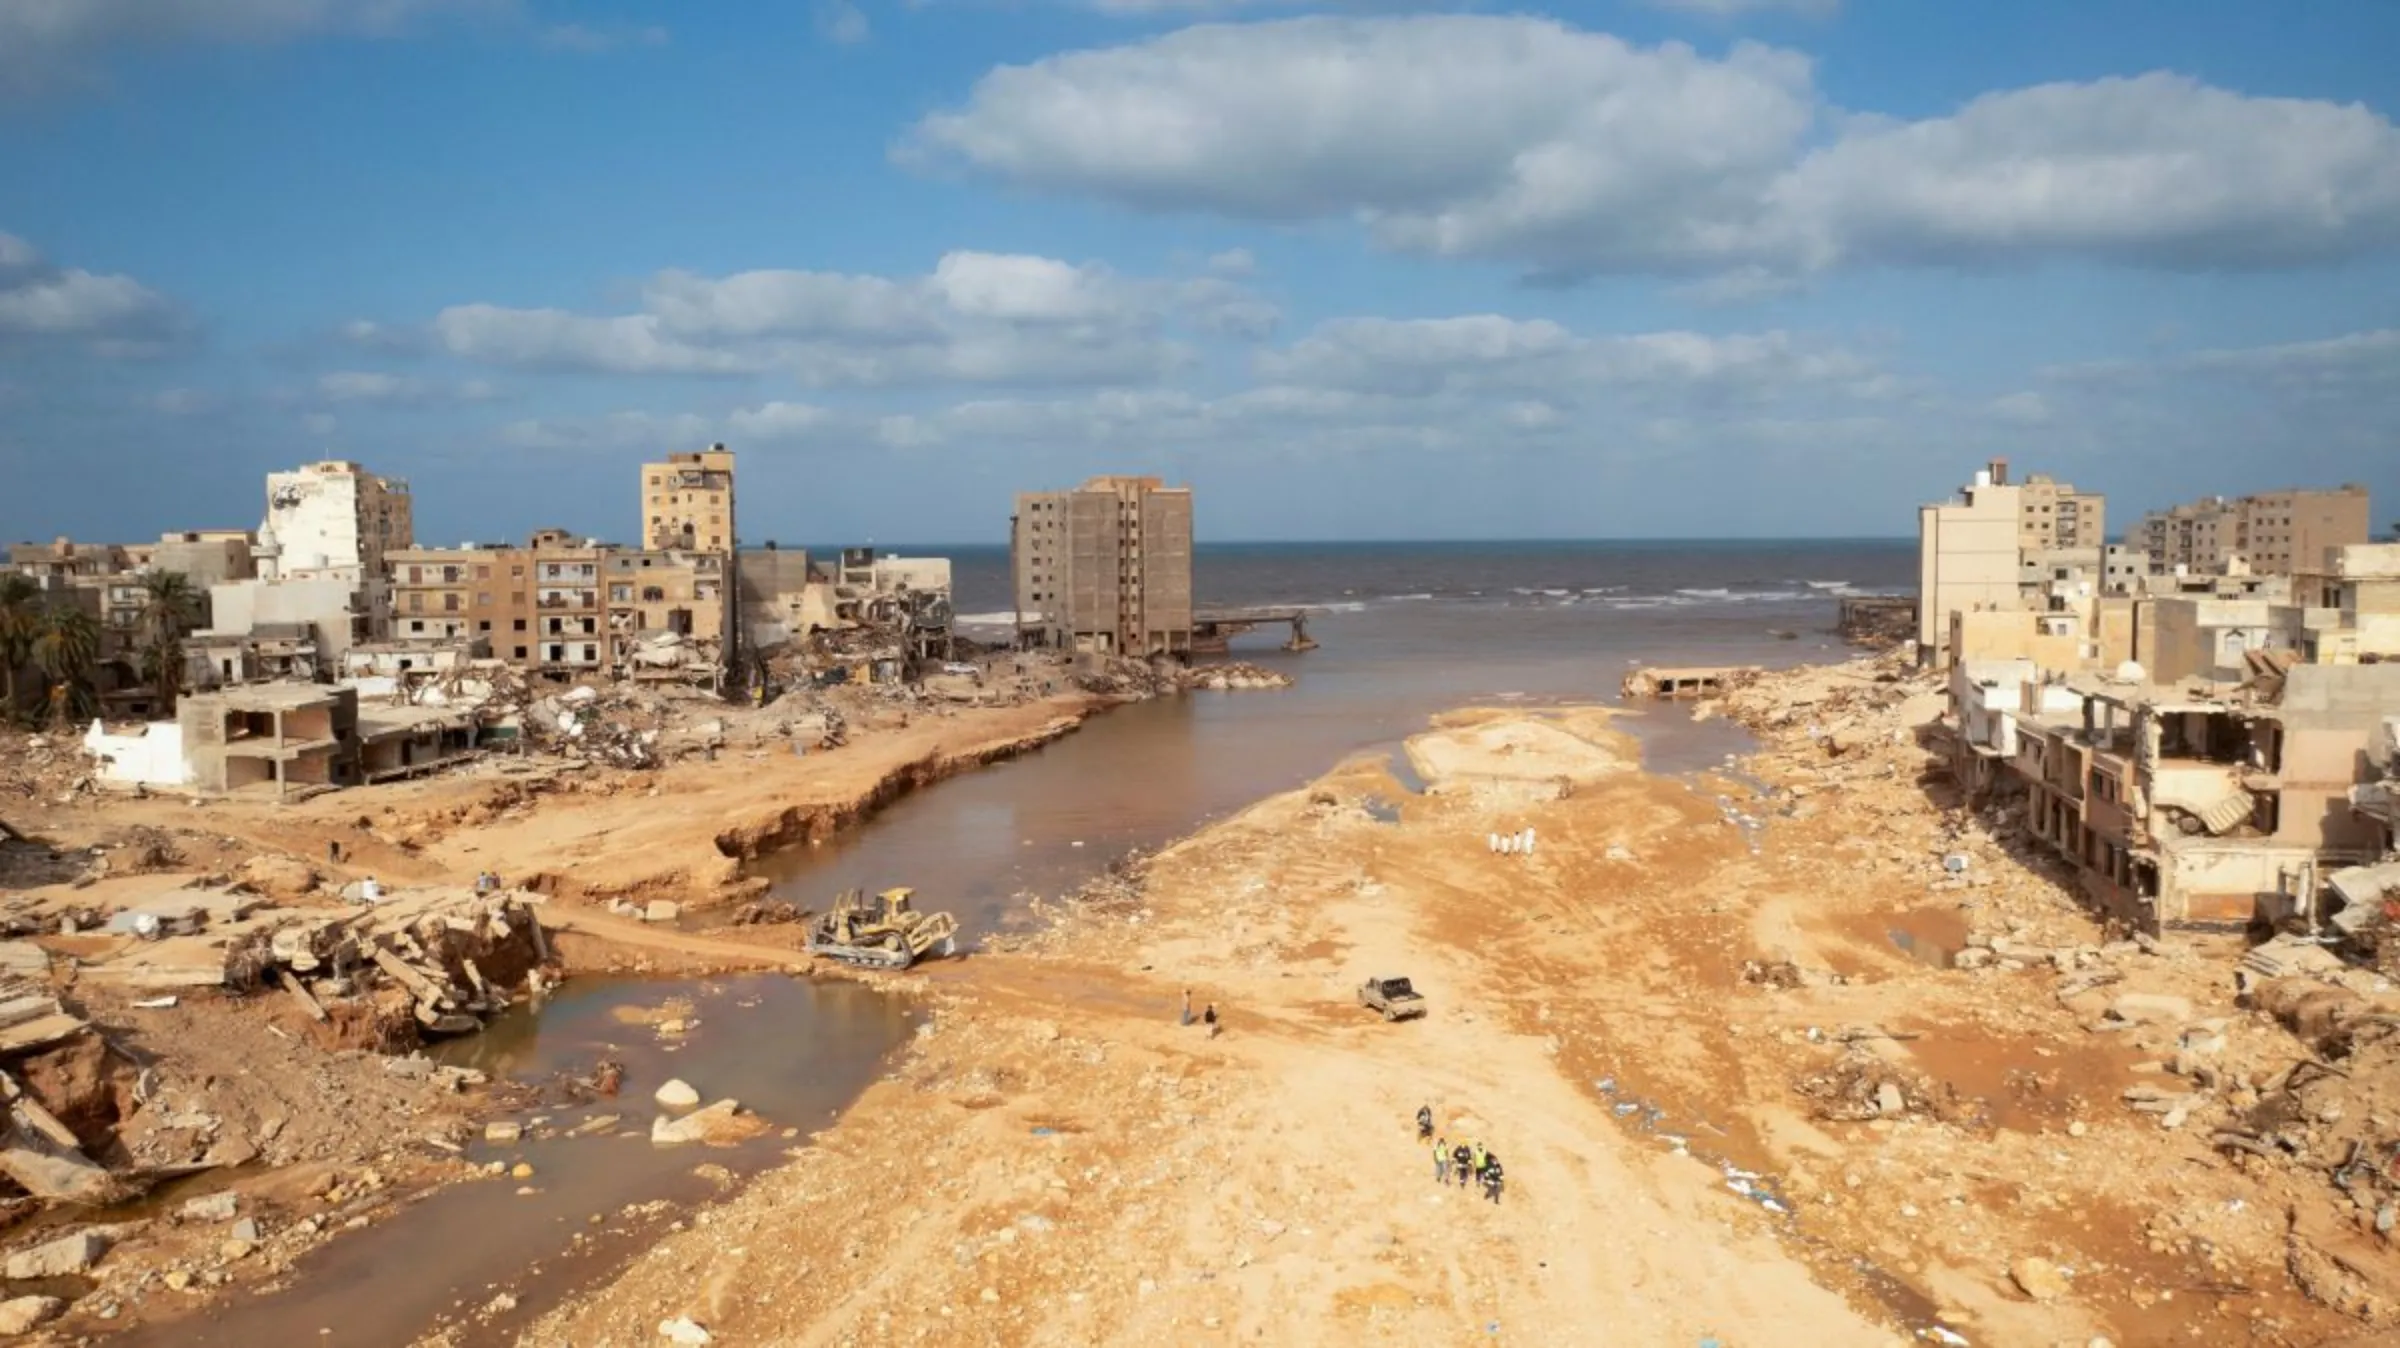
x=1234, y=677
x=49, y=768
x=450, y=954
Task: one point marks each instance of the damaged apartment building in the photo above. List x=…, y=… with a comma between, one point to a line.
x=280, y=742
x=2222, y=776
x=1105, y=568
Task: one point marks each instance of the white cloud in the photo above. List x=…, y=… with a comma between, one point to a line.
x=591, y=40
x=842, y=22
x=45, y=43
x=1572, y=152
x=376, y=386
x=1489, y=353
x=977, y=318
x=111, y=314
x=1729, y=9
x=616, y=430
x=183, y=402
x=2357, y=361
x=777, y=421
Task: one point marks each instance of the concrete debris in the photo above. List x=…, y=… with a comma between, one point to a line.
x=23, y=1315
x=682, y=1329
x=677, y=1094
x=2038, y=1278
x=59, y=1258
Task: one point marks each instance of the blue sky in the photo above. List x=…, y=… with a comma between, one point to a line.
x=1652, y=268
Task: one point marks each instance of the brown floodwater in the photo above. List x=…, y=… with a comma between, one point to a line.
x=793, y=1050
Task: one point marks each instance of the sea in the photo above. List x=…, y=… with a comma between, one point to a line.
x=1403, y=630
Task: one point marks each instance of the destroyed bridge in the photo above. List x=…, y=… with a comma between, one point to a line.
x=1215, y=627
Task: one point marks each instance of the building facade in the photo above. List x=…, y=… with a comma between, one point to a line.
x=335, y=514
x=2052, y=514
x=1107, y=567
x=537, y=606
x=687, y=502
x=669, y=615
x=1970, y=557
x=2271, y=533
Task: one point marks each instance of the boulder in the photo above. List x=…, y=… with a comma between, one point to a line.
x=56, y=1258
x=23, y=1315
x=218, y=1207
x=503, y=1132
x=677, y=1094
x=662, y=910
x=682, y=1329
x=278, y=877
x=2151, y=1008
x=721, y=1124
x=2038, y=1278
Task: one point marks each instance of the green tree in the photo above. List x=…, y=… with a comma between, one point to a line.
x=20, y=623
x=65, y=650
x=170, y=610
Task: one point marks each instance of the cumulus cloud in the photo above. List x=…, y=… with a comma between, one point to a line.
x=1572, y=152
x=1491, y=354
x=44, y=43
x=109, y=314
x=976, y=318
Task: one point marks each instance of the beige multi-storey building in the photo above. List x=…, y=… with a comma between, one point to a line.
x=687, y=502
x=538, y=605
x=2052, y=515
x=1108, y=567
x=2271, y=533
x=1970, y=556
x=669, y=614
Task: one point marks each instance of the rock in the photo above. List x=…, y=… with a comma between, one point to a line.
x=520, y=1171
x=682, y=1329
x=720, y=1124
x=68, y=1254
x=246, y=1229
x=22, y=1315
x=503, y=1132
x=2150, y=1008
x=177, y=1280
x=217, y=1207
x=1890, y=1099
x=235, y=1251
x=278, y=877
x=662, y=910
x=2038, y=1278
x=677, y=1094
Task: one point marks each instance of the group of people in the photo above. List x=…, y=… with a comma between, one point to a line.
x=1208, y=1017
x=1466, y=1162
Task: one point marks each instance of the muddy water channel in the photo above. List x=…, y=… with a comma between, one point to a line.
x=483, y=1258
x=486, y=1256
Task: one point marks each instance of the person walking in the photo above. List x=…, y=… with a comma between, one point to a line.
x=1491, y=1178
x=1186, y=1018
x=1458, y=1163
x=1441, y=1160
x=1210, y=1017
x=1475, y=1153
x=333, y=851
x=1424, y=1122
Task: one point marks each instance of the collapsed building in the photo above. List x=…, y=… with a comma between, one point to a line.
x=2189, y=804
x=280, y=742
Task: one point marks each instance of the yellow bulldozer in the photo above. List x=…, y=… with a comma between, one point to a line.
x=886, y=933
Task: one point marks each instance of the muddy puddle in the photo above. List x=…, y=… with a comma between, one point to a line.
x=485, y=1257
x=1930, y=936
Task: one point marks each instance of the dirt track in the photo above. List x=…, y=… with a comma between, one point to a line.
x=1632, y=1016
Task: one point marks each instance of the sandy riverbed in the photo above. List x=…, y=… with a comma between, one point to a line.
x=1651, y=1018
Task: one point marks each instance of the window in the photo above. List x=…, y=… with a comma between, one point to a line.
x=483, y=599
x=416, y=627
x=558, y=652
x=483, y=573
x=516, y=625
x=449, y=603
x=484, y=626
x=520, y=653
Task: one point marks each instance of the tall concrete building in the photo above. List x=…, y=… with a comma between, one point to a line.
x=687, y=502
x=1970, y=556
x=2052, y=515
x=332, y=515
x=1106, y=567
x=2272, y=533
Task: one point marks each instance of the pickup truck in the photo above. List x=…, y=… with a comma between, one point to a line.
x=1392, y=997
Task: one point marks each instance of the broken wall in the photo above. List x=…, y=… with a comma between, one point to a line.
x=152, y=756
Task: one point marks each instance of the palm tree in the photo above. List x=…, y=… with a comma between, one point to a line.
x=20, y=623
x=170, y=609
x=65, y=649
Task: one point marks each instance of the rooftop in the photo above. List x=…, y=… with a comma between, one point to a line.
x=268, y=697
